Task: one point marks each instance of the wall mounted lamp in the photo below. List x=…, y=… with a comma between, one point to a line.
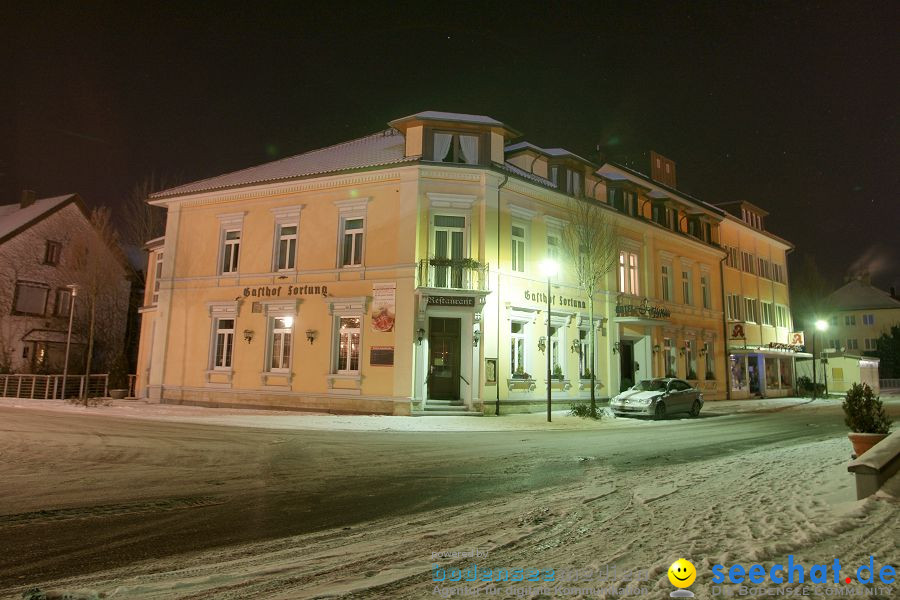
x=476, y=337
x=311, y=336
x=681, y=351
x=576, y=346
x=656, y=348
x=542, y=343
x=248, y=335
x=616, y=348
x=420, y=335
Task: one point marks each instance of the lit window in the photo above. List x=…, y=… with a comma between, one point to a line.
x=628, y=273
x=231, y=247
x=868, y=319
x=287, y=247
x=347, y=349
x=557, y=357
x=31, y=298
x=456, y=148
x=224, y=343
x=517, y=348
x=767, y=314
x=280, y=343
x=734, y=307
x=518, y=248
x=448, y=239
x=352, y=242
x=584, y=350
x=690, y=361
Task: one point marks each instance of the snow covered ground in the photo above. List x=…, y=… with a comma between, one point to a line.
x=268, y=419
x=758, y=506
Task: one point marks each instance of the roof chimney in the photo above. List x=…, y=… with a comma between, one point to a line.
x=27, y=199
x=662, y=169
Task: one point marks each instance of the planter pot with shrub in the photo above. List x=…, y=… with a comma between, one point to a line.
x=864, y=415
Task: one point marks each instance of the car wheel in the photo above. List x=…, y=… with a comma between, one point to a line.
x=660, y=413
x=695, y=409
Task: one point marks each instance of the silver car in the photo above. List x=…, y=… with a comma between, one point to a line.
x=657, y=398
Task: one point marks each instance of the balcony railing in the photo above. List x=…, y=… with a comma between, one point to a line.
x=452, y=274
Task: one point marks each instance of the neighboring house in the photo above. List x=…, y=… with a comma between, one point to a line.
x=45, y=245
x=399, y=272
x=860, y=314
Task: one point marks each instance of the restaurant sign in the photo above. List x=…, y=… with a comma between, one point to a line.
x=644, y=309
x=451, y=301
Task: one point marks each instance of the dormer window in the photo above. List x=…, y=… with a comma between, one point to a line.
x=573, y=183
x=455, y=148
x=622, y=200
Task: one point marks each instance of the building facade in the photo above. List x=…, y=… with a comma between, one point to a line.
x=860, y=314
x=48, y=247
x=398, y=273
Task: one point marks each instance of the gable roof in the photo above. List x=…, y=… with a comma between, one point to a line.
x=858, y=295
x=379, y=149
x=14, y=218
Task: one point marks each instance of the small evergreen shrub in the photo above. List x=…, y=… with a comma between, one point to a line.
x=583, y=410
x=864, y=411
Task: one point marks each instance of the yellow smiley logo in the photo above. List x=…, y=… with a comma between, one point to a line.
x=682, y=573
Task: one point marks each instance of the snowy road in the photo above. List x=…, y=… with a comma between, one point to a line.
x=163, y=509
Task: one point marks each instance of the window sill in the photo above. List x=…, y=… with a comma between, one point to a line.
x=344, y=376
x=286, y=376
x=219, y=377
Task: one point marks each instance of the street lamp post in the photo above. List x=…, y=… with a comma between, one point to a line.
x=820, y=326
x=549, y=268
x=74, y=289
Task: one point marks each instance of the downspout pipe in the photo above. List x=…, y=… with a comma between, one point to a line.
x=725, y=328
x=497, y=387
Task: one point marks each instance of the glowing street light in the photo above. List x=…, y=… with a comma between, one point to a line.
x=821, y=325
x=549, y=268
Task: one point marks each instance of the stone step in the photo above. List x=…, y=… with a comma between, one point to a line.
x=443, y=403
x=446, y=413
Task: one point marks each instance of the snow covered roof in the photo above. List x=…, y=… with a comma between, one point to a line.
x=858, y=295
x=437, y=115
x=379, y=149
x=531, y=176
x=14, y=218
x=554, y=152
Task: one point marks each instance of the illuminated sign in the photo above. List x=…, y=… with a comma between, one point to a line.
x=644, y=309
x=797, y=338
x=737, y=331
x=451, y=301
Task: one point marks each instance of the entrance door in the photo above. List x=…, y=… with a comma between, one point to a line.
x=626, y=361
x=754, y=374
x=443, y=358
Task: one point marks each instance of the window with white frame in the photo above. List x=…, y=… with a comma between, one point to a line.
x=628, y=273
x=748, y=265
x=286, y=250
x=687, y=288
x=553, y=245
x=455, y=148
x=767, y=314
x=704, y=290
x=710, y=357
x=517, y=348
x=448, y=244
x=871, y=343
x=777, y=273
x=690, y=360
x=223, y=343
x=557, y=356
x=669, y=349
x=30, y=298
x=347, y=344
x=280, y=343
x=765, y=268
x=157, y=275
x=584, y=354
x=852, y=344
x=63, y=302
x=751, y=310
x=353, y=230
x=732, y=257
x=850, y=320
x=231, y=248
x=518, y=248
x=868, y=319
x=666, y=282
x=781, y=316
x=573, y=182
x=734, y=307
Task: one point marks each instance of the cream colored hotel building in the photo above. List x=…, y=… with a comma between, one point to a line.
x=398, y=273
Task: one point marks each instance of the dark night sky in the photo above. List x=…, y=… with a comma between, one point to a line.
x=789, y=105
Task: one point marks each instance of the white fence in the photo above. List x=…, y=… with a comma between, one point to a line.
x=31, y=387
x=889, y=384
